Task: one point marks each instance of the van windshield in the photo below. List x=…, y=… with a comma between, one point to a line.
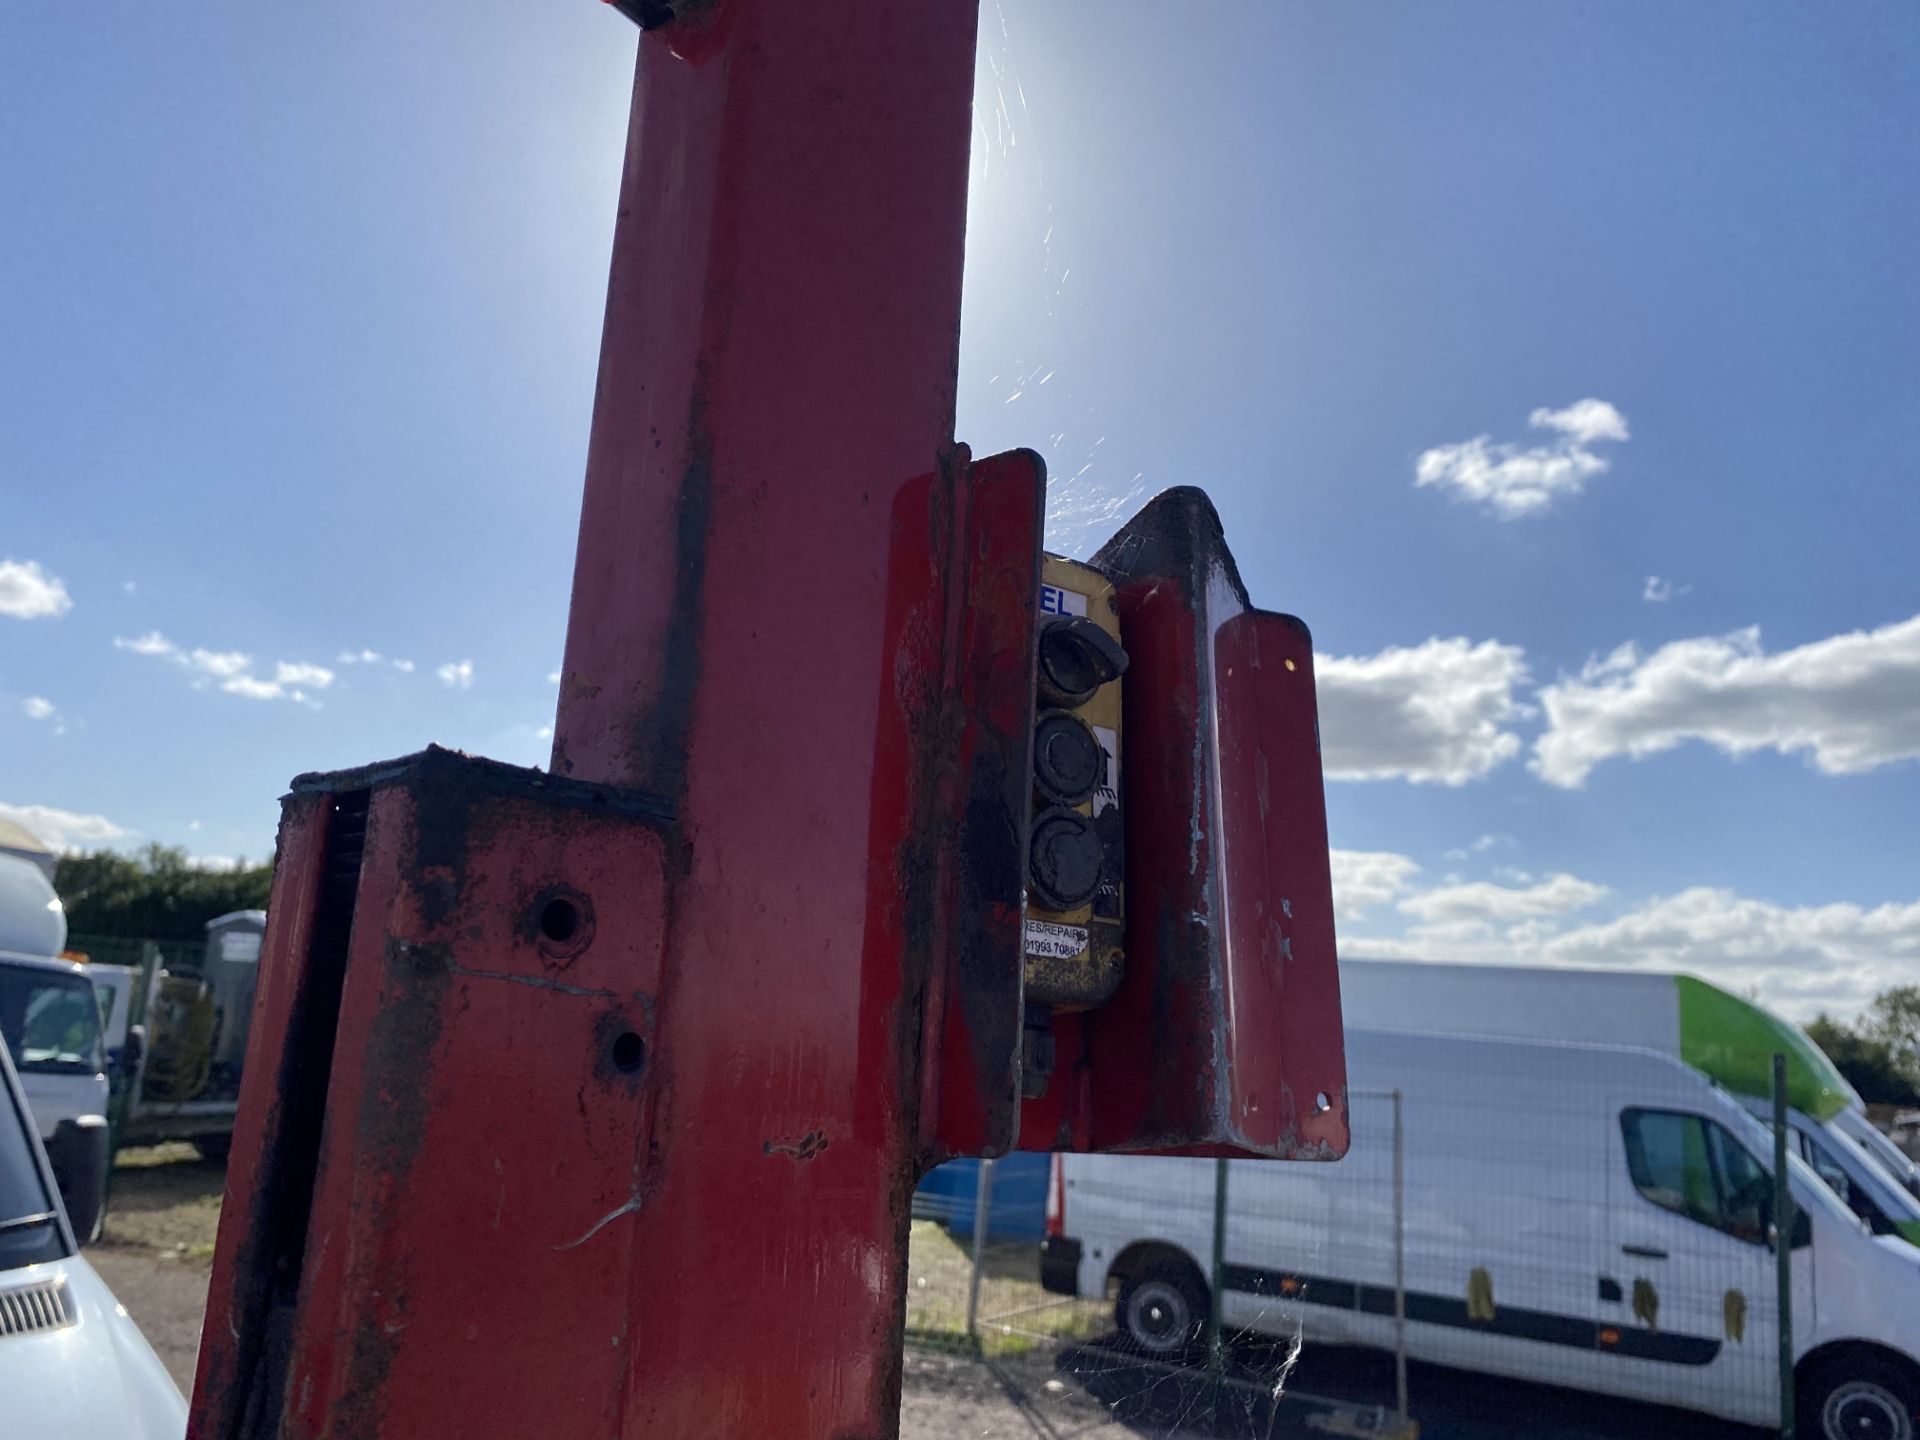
x=50, y=1021
x=1891, y=1159
x=1809, y=1189
x=29, y=1230
x=1879, y=1199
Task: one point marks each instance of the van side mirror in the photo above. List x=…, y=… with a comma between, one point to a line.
x=1798, y=1238
x=1802, y=1235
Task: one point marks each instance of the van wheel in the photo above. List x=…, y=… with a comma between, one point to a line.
x=1162, y=1307
x=1859, y=1397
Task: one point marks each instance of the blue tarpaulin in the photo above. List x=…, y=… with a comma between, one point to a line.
x=1018, y=1208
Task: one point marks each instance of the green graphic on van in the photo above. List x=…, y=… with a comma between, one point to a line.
x=1733, y=1041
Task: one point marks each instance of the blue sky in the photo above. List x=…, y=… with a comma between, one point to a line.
x=302, y=315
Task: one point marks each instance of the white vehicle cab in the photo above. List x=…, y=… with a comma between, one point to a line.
x=72, y=1364
x=1729, y=1039
x=113, y=987
x=50, y=1020
x=1590, y=1216
x=1876, y=1142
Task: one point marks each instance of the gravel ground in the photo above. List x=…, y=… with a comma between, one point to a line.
x=944, y=1398
x=158, y=1247
x=165, y=1206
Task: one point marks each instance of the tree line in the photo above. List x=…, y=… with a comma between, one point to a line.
x=154, y=894
x=1880, y=1052
x=159, y=894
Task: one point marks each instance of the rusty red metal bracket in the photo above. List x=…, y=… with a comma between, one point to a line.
x=515, y=1151
x=1225, y=1035
x=591, y=1102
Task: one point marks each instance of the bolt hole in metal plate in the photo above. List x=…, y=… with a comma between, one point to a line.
x=629, y=1052
x=560, y=920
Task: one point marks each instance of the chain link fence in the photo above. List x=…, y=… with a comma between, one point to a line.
x=1163, y=1357
x=1616, y=1249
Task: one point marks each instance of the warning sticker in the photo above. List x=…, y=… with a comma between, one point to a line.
x=1048, y=941
x=1108, y=794
x=1055, y=601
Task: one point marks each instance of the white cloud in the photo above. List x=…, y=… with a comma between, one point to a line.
x=151, y=643
x=64, y=829
x=1364, y=878
x=38, y=707
x=1658, y=591
x=456, y=676
x=1483, y=902
x=1514, y=481
x=1583, y=422
x=128, y=586
x=1800, y=959
x=213, y=862
x=28, y=592
x=553, y=677
x=1852, y=702
x=545, y=732
x=317, y=676
x=221, y=664
x=234, y=670
x=372, y=657
x=1482, y=844
x=1433, y=712
x=251, y=687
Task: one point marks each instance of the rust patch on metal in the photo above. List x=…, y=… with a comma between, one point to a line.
x=388, y=1130
x=663, y=727
x=805, y=1148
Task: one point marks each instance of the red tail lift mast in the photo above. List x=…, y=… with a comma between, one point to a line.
x=589, y=1102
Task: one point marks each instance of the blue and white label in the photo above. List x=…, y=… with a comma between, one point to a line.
x=1055, y=601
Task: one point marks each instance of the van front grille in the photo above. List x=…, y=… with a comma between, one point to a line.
x=29, y=1309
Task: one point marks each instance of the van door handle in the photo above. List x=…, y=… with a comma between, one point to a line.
x=1645, y=1252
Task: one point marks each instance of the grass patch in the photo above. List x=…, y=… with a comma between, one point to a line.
x=166, y=1199
x=1015, y=1314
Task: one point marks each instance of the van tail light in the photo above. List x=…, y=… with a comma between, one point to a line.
x=1057, y=1200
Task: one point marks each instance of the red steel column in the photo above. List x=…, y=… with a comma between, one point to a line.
x=779, y=356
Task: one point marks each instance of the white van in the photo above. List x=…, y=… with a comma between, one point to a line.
x=50, y=1020
x=1729, y=1039
x=1580, y=1215
x=72, y=1364
x=1854, y=1123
